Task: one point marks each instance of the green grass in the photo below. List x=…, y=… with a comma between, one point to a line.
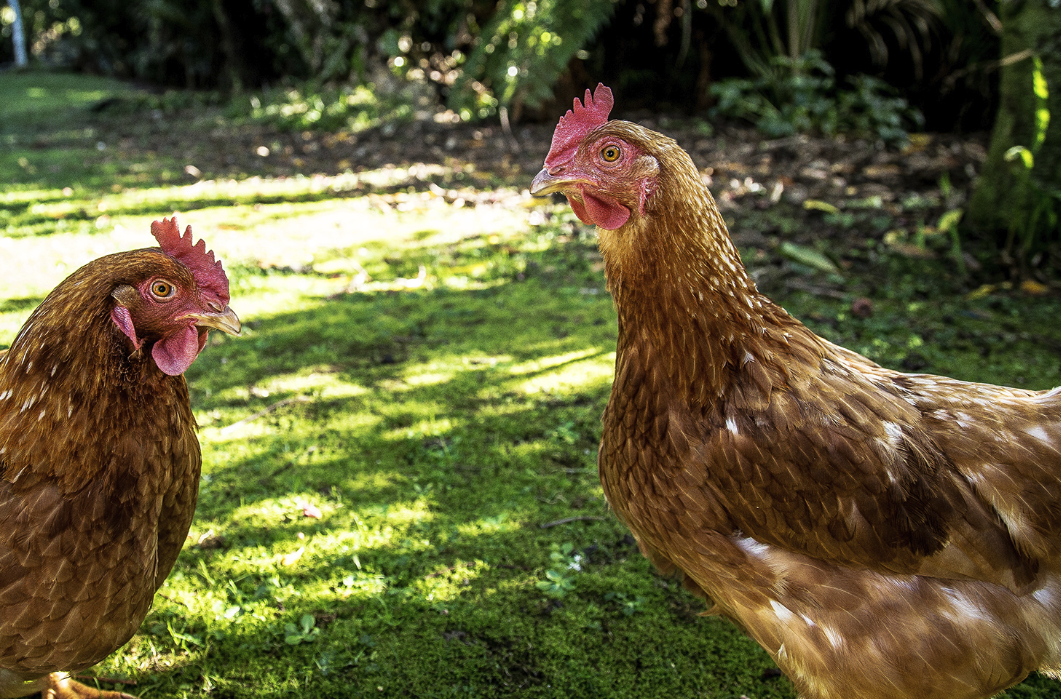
x=436, y=420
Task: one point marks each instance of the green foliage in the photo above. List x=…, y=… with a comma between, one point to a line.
x=310, y=107
x=162, y=41
x=803, y=96
x=560, y=577
x=627, y=604
x=522, y=50
x=910, y=24
x=305, y=632
x=1035, y=225
x=762, y=31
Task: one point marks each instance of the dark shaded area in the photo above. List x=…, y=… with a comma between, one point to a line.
x=664, y=54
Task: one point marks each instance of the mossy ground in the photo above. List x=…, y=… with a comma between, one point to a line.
x=428, y=377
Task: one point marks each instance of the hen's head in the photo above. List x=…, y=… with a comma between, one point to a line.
x=170, y=298
x=608, y=170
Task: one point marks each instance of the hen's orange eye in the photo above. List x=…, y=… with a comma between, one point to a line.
x=610, y=153
x=162, y=289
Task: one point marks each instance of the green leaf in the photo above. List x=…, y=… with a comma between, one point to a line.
x=949, y=220
x=807, y=256
x=1020, y=152
x=1039, y=84
x=187, y=638
x=818, y=205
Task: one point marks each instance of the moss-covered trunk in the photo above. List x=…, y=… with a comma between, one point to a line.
x=1004, y=196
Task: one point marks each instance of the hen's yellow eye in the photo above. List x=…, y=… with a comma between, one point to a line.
x=162, y=289
x=610, y=153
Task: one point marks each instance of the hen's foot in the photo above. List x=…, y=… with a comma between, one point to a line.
x=59, y=685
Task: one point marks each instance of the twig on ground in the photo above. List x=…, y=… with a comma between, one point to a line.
x=816, y=290
x=108, y=680
x=265, y=411
x=506, y=128
x=569, y=520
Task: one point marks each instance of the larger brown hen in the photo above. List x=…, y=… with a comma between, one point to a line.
x=99, y=462
x=881, y=535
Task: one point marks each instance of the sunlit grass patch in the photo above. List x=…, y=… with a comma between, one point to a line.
x=29, y=94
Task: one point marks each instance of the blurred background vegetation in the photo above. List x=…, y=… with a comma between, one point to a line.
x=480, y=56
x=873, y=68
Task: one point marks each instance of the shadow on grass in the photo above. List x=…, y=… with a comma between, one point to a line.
x=436, y=431
x=20, y=305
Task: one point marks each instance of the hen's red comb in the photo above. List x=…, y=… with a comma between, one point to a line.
x=208, y=273
x=578, y=122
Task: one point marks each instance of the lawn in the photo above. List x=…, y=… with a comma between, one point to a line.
x=400, y=494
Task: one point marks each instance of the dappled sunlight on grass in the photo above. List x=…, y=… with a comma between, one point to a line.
x=399, y=493
x=506, y=522
x=536, y=366
x=382, y=444
x=319, y=381
x=426, y=377
x=447, y=583
x=575, y=376
x=28, y=94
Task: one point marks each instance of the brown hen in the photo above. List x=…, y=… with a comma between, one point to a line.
x=881, y=535
x=99, y=462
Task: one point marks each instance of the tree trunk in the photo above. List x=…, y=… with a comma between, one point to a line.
x=1005, y=194
x=19, y=35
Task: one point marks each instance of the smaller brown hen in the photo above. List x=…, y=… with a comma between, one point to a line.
x=99, y=462
x=882, y=535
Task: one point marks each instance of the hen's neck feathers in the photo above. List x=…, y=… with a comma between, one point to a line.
x=680, y=287
x=72, y=388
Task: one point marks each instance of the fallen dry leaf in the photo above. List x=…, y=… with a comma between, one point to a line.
x=293, y=557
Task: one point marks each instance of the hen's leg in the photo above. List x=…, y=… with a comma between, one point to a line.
x=59, y=685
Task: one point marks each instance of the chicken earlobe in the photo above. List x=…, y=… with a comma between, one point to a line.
x=120, y=316
x=125, y=295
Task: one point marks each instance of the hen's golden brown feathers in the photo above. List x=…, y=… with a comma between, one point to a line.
x=99, y=462
x=881, y=535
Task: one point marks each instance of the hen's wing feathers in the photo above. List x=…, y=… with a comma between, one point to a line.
x=860, y=469
x=1006, y=443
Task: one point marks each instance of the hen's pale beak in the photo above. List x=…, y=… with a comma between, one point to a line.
x=226, y=321
x=547, y=183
